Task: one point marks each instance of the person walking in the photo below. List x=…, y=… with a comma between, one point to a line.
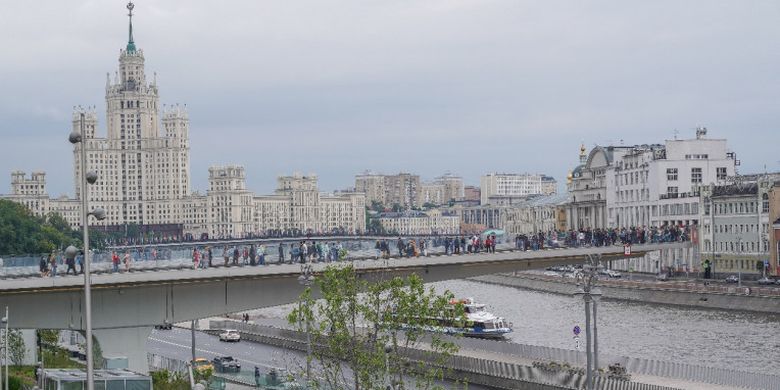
x=80, y=262
x=71, y=263
x=43, y=267
x=225, y=255
x=261, y=254
x=127, y=261
x=115, y=262
x=236, y=255
x=53, y=261
x=209, y=255
x=281, y=253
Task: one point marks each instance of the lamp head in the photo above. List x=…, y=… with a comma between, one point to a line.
x=98, y=213
x=71, y=252
x=74, y=137
x=92, y=177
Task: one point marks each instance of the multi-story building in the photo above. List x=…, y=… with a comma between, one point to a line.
x=509, y=185
x=432, y=193
x=656, y=185
x=549, y=185
x=402, y=189
x=774, y=237
x=373, y=185
x=410, y=222
x=646, y=185
x=587, y=185
x=296, y=206
x=736, y=224
x=472, y=193
x=143, y=168
x=453, y=187
x=540, y=213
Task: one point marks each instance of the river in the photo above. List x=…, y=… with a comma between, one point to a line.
x=726, y=339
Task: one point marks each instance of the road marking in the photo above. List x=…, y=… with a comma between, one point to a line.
x=264, y=365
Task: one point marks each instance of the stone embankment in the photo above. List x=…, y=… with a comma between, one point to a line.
x=722, y=297
x=503, y=365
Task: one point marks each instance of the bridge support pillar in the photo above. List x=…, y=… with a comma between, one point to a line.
x=126, y=342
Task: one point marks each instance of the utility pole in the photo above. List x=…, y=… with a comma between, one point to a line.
x=590, y=295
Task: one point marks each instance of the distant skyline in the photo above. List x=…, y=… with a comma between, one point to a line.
x=428, y=87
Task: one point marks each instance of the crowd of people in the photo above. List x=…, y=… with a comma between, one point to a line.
x=305, y=251
x=604, y=237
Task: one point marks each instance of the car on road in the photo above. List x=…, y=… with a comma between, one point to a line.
x=765, y=281
x=226, y=364
x=230, y=335
x=202, y=365
x=165, y=326
x=732, y=279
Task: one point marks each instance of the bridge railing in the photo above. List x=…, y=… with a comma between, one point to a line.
x=683, y=371
x=561, y=379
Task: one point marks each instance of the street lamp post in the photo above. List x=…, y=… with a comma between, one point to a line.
x=590, y=295
x=307, y=279
x=5, y=343
x=99, y=214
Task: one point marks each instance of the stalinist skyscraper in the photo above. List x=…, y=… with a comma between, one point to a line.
x=144, y=170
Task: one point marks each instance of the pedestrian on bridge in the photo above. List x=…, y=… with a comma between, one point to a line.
x=127, y=261
x=281, y=253
x=225, y=255
x=236, y=255
x=115, y=262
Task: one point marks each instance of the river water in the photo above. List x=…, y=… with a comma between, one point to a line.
x=726, y=339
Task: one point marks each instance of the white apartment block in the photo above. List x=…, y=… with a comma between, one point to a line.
x=656, y=185
x=509, y=185
x=431, y=222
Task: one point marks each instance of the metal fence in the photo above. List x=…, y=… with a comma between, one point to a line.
x=561, y=379
x=683, y=371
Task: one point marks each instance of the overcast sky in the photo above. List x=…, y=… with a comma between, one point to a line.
x=427, y=86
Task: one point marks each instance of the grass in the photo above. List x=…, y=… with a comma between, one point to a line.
x=59, y=358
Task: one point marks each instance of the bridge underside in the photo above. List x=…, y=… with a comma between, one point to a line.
x=148, y=299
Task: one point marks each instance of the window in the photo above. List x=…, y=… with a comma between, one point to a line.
x=671, y=174
x=721, y=172
x=765, y=203
x=671, y=191
x=695, y=175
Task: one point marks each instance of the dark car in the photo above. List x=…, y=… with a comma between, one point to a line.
x=226, y=364
x=165, y=326
x=732, y=279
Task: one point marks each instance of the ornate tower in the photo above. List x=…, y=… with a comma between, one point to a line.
x=131, y=103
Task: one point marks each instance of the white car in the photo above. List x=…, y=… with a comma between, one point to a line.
x=230, y=335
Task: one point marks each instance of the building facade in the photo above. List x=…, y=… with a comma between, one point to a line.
x=403, y=189
x=774, y=237
x=472, y=193
x=431, y=222
x=509, y=184
x=736, y=225
x=646, y=185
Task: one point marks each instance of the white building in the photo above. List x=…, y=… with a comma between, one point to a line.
x=509, y=185
x=143, y=166
x=646, y=185
x=420, y=223
x=656, y=185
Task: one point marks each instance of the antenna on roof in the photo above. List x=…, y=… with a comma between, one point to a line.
x=675, y=134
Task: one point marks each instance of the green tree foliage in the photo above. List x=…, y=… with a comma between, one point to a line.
x=166, y=380
x=23, y=233
x=16, y=348
x=48, y=337
x=368, y=326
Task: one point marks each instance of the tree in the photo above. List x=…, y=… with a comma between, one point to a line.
x=377, y=206
x=166, y=380
x=22, y=233
x=367, y=326
x=16, y=347
x=48, y=336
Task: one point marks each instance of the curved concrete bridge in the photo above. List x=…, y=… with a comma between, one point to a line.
x=126, y=306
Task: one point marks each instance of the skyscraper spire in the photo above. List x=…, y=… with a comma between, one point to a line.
x=130, y=43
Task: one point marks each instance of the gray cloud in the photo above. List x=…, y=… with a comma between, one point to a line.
x=425, y=86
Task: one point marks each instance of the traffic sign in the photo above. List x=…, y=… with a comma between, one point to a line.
x=627, y=250
x=766, y=263
x=577, y=330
